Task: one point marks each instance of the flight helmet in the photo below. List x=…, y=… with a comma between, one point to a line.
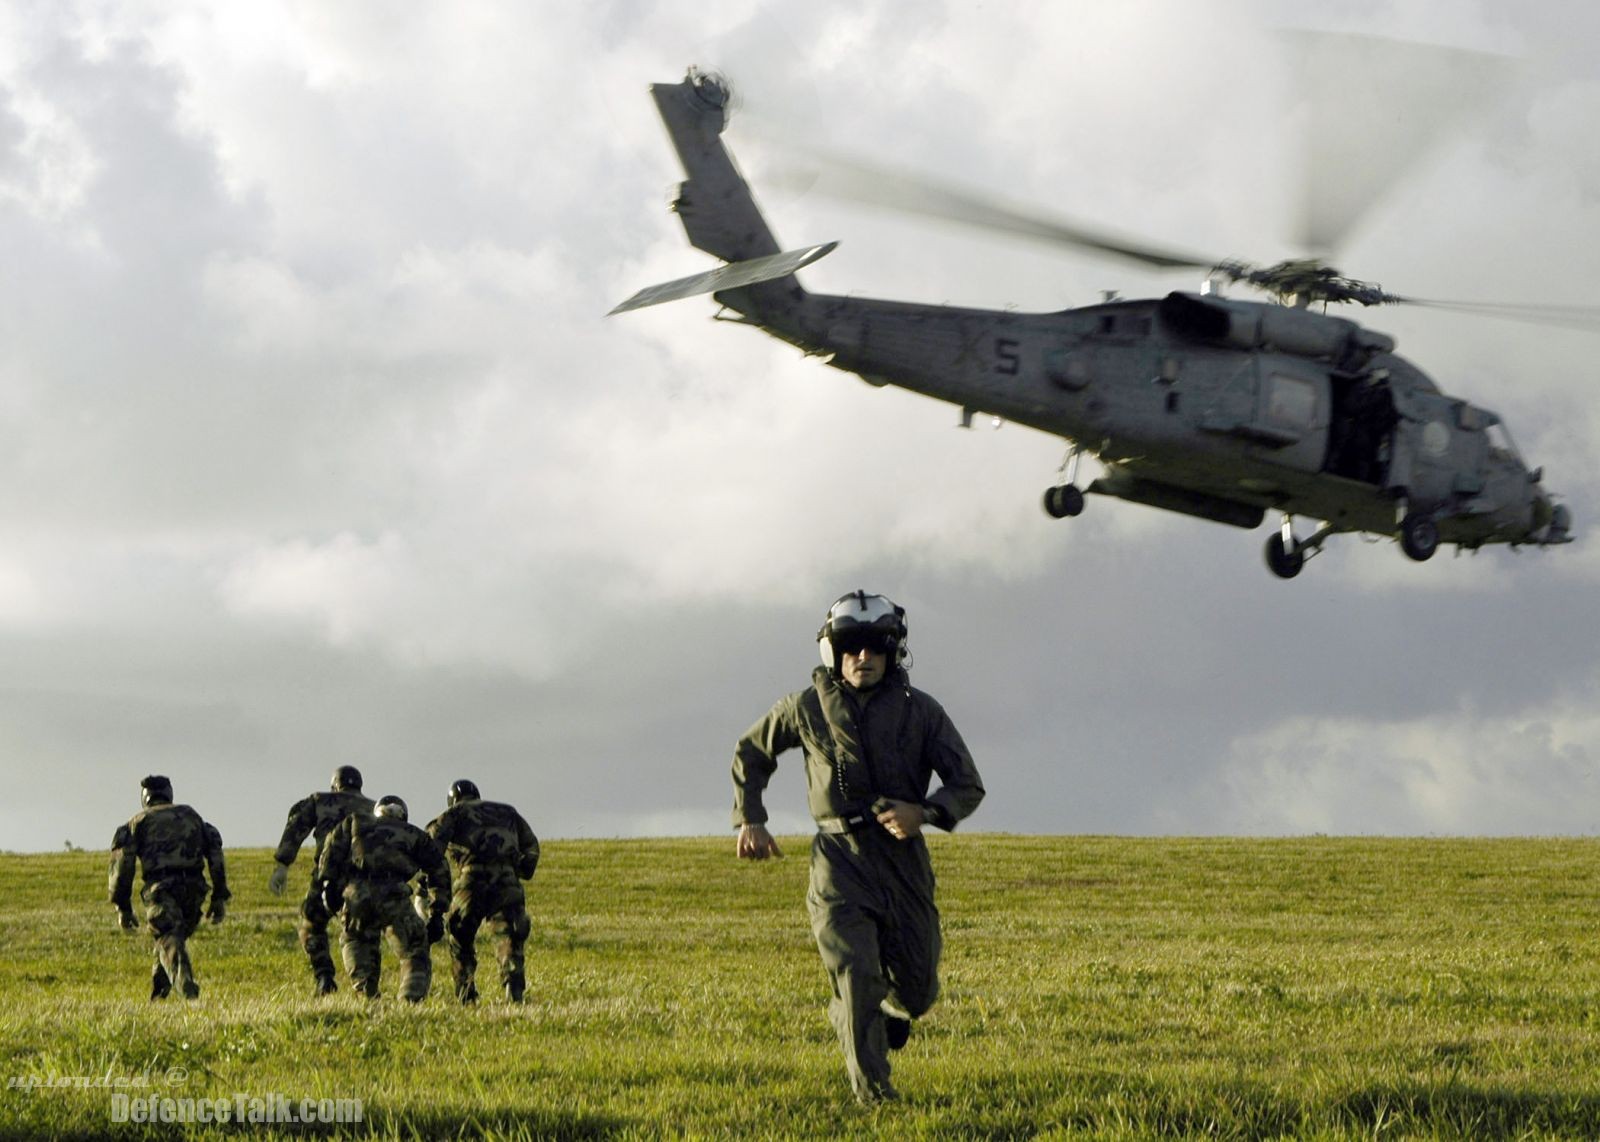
x=857, y=620
x=347, y=778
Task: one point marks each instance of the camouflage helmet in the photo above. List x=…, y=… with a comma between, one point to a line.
x=464, y=790
x=347, y=777
x=155, y=790
x=392, y=806
x=860, y=620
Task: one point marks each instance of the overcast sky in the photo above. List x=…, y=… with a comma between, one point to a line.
x=316, y=447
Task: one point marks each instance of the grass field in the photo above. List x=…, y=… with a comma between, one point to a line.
x=1094, y=987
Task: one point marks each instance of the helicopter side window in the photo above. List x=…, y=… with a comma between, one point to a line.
x=1124, y=325
x=1291, y=402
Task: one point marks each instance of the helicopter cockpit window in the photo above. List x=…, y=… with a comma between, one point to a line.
x=1291, y=402
x=1500, y=442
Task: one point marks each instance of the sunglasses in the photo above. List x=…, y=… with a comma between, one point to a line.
x=855, y=641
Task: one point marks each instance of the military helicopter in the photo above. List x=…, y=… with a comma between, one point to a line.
x=1210, y=406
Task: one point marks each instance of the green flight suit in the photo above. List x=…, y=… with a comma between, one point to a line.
x=369, y=862
x=317, y=816
x=871, y=897
x=492, y=851
x=175, y=848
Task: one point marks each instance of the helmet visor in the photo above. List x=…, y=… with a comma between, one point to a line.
x=854, y=641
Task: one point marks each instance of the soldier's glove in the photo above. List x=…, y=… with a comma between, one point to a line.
x=217, y=911
x=526, y=864
x=278, y=880
x=435, y=928
x=125, y=918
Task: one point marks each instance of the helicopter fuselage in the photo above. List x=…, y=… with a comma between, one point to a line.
x=1215, y=407
x=1193, y=403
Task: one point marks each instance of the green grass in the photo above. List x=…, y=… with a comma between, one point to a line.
x=1094, y=987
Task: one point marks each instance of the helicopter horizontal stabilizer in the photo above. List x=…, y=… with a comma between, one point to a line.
x=731, y=276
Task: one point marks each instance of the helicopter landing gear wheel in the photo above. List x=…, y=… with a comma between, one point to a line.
x=1285, y=561
x=1419, y=536
x=1063, y=500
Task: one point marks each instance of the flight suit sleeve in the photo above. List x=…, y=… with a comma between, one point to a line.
x=755, y=759
x=960, y=789
x=216, y=864
x=302, y=819
x=124, y=857
x=430, y=858
x=527, y=850
x=334, y=866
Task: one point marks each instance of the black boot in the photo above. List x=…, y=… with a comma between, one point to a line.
x=160, y=983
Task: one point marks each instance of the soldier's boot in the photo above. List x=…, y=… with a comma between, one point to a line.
x=467, y=992
x=160, y=983
x=363, y=960
x=326, y=984
x=418, y=978
x=896, y=1027
x=511, y=972
x=875, y=1091
x=320, y=955
x=184, y=976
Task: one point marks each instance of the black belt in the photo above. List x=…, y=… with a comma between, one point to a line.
x=853, y=823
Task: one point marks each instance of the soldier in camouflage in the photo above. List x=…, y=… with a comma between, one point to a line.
x=366, y=869
x=175, y=849
x=317, y=815
x=492, y=851
x=872, y=745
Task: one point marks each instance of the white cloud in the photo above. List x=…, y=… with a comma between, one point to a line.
x=1462, y=772
x=314, y=440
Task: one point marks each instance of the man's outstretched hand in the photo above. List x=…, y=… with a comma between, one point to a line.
x=755, y=843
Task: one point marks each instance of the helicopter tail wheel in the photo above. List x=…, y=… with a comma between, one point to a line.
x=1419, y=536
x=1063, y=500
x=1285, y=560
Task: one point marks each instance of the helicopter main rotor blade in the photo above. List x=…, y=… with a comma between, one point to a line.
x=859, y=181
x=1370, y=108
x=1581, y=317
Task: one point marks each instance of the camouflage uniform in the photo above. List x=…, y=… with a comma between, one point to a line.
x=174, y=848
x=368, y=863
x=492, y=851
x=317, y=816
x=871, y=896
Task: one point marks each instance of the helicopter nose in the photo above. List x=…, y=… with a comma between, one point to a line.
x=1560, y=526
x=1552, y=522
